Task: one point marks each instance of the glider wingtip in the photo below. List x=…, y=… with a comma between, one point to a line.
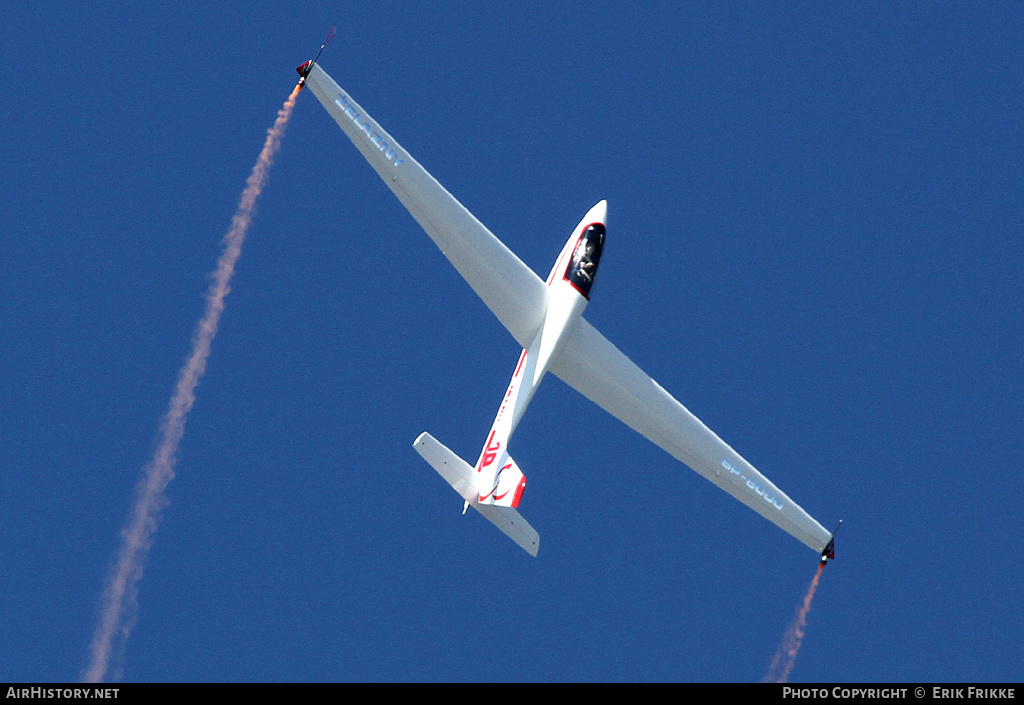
x=829, y=553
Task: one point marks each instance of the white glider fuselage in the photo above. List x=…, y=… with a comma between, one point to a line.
x=498, y=478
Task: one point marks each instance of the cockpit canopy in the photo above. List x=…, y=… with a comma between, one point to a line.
x=583, y=266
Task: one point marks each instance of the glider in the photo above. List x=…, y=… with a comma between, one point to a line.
x=545, y=317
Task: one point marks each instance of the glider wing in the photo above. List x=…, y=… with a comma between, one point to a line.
x=595, y=368
x=509, y=288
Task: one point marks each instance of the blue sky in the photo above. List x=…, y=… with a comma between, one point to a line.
x=814, y=243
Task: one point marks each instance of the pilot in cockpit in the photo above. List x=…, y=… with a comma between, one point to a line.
x=585, y=266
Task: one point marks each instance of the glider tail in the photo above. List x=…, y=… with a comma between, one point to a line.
x=508, y=485
x=458, y=473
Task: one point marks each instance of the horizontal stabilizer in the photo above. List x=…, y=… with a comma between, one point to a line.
x=458, y=473
x=512, y=524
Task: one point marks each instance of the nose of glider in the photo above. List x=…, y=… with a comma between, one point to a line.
x=598, y=214
x=305, y=68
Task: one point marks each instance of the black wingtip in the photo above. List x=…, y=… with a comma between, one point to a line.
x=829, y=553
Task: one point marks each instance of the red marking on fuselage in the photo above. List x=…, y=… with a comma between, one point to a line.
x=490, y=452
x=554, y=271
x=519, y=491
x=496, y=480
x=561, y=259
x=578, y=290
x=497, y=497
x=522, y=358
x=512, y=387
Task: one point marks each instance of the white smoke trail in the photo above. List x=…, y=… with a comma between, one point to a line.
x=785, y=657
x=119, y=603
